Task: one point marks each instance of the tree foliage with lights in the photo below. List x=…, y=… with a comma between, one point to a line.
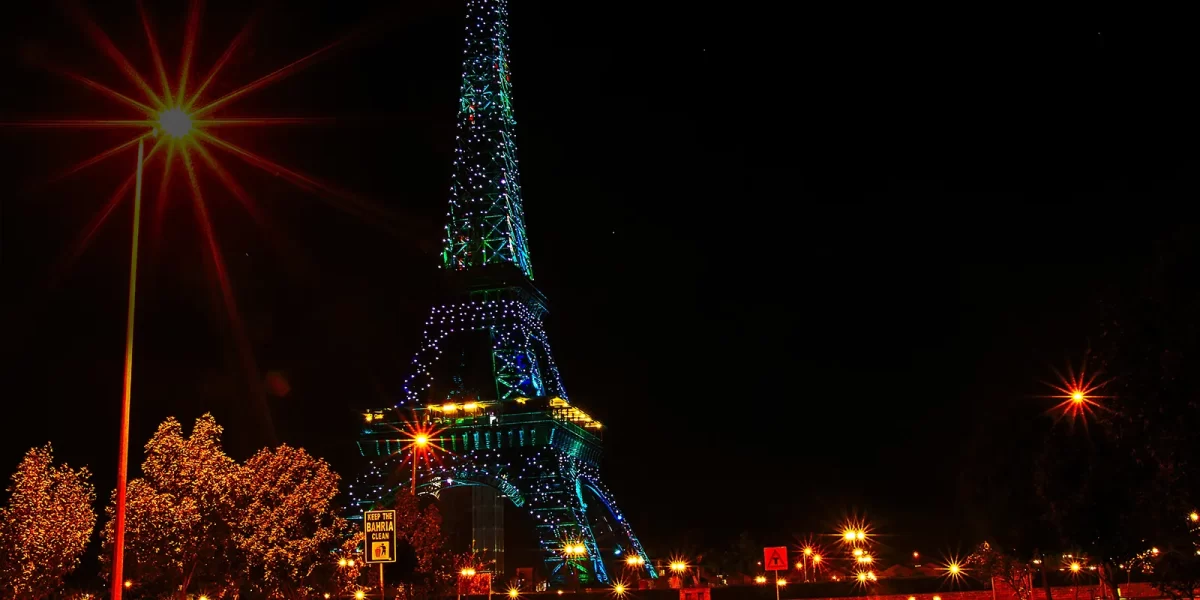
x=990, y=562
x=178, y=514
x=45, y=526
x=287, y=522
x=1122, y=478
x=197, y=521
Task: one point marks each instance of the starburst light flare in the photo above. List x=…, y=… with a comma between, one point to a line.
x=1078, y=394
x=181, y=115
x=169, y=116
x=953, y=569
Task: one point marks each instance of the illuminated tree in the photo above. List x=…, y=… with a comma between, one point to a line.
x=1176, y=572
x=421, y=529
x=178, y=513
x=45, y=526
x=989, y=562
x=287, y=523
x=1129, y=479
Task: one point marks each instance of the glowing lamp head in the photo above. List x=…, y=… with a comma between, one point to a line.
x=808, y=550
x=848, y=535
x=816, y=558
x=1077, y=397
x=128, y=583
x=421, y=439
x=1195, y=516
x=862, y=576
x=1075, y=567
x=359, y=595
x=860, y=535
x=174, y=122
x=760, y=579
x=619, y=589
x=858, y=552
x=954, y=569
x=782, y=582
x=513, y=592
x=678, y=566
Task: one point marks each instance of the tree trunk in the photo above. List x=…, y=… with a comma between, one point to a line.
x=1045, y=579
x=1106, y=579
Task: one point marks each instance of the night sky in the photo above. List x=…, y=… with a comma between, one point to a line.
x=797, y=259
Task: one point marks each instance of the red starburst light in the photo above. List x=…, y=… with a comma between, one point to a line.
x=1078, y=394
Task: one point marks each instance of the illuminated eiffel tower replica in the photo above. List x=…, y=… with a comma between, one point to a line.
x=484, y=380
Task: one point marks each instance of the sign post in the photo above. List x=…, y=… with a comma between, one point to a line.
x=775, y=558
x=379, y=540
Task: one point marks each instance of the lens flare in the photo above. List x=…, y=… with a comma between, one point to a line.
x=1078, y=394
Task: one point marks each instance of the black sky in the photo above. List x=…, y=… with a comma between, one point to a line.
x=795, y=257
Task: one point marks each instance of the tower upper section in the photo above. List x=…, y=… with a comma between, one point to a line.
x=485, y=223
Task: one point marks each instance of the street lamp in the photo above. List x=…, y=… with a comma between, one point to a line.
x=420, y=441
x=636, y=562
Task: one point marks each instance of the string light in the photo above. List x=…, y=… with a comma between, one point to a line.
x=46, y=524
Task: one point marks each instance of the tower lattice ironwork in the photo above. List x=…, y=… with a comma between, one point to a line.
x=514, y=429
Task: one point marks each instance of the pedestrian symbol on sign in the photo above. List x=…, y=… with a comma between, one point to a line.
x=775, y=558
x=381, y=551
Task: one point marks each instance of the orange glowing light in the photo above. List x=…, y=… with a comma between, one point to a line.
x=855, y=531
x=513, y=592
x=1195, y=516
x=1078, y=394
x=808, y=551
x=1076, y=567
x=760, y=579
x=419, y=445
x=128, y=583
x=954, y=569
x=679, y=566
x=782, y=582
x=858, y=552
x=816, y=558
x=359, y=595
x=619, y=589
